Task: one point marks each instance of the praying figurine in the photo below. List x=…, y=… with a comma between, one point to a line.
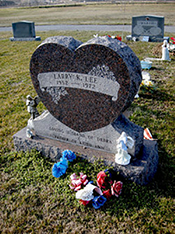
x=31, y=106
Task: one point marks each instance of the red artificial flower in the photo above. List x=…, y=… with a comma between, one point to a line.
x=116, y=188
x=173, y=39
x=107, y=194
x=85, y=203
x=101, y=176
x=118, y=38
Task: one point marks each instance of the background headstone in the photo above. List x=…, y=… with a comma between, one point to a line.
x=24, y=30
x=148, y=25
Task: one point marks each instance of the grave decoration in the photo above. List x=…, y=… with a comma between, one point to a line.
x=24, y=31
x=147, y=86
x=86, y=88
x=146, y=64
x=98, y=193
x=171, y=45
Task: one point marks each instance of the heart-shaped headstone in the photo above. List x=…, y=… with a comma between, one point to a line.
x=85, y=86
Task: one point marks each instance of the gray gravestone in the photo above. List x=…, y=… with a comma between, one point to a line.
x=86, y=87
x=149, y=26
x=24, y=31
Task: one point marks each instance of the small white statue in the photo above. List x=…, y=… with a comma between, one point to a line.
x=31, y=108
x=122, y=157
x=165, y=51
x=123, y=143
x=31, y=104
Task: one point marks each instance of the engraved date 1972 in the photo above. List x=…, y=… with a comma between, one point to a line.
x=88, y=86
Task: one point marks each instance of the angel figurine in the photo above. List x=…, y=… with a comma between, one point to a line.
x=124, y=142
x=31, y=104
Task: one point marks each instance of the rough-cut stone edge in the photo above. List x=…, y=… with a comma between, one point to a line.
x=68, y=42
x=140, y=171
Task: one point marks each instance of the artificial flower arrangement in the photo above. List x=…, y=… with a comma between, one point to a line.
x=60, y=167
x=173, y=40
x=86, y=192
x=115, y=37
x=147, y=85
x=171, y=45
x=96, y=195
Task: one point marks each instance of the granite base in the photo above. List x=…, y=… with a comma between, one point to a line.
x=140, y=171
x=37, y=38
x=131, y=38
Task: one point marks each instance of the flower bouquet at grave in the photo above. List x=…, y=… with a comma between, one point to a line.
x=173, y=40
x=115, y=37
x=171, y=45
x=107, y=182
x=95, y=195
x=147, y=86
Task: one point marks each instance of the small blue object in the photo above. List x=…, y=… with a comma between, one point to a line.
x=146, y=64
x=98, y=201
x=90, y=182
x=59, y=168
x=69, y=155
x=108, y=171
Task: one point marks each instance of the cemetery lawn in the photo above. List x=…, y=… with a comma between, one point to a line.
x=33, y=201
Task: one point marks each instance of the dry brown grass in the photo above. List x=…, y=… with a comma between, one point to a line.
x=87, y=14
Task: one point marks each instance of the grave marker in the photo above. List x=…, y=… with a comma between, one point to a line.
x=86, y=87
x=24, y=31
x=148, y=25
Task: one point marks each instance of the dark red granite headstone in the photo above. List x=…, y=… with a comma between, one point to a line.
x=85, y=86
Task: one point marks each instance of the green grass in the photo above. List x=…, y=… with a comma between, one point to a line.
x=87, y=14
x=33, y=201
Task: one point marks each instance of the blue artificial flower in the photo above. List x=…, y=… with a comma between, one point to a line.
x=69, y=155
x=59, y=168
x=98, y=201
